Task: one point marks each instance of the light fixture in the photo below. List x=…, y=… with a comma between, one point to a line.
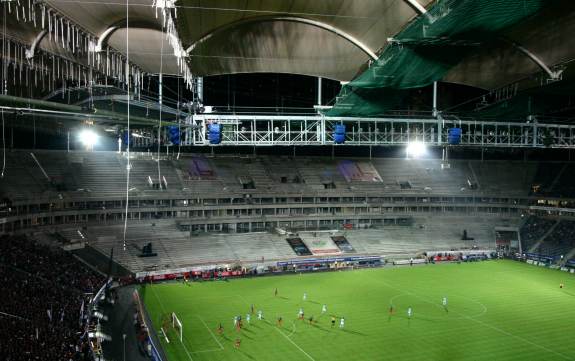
x=88, y=138
x=416, y=149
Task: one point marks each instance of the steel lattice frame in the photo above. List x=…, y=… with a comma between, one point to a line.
x=262, y=130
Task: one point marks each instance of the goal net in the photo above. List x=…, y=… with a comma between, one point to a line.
x=177, y=325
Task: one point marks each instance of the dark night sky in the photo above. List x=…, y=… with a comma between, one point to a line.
x=267, y=90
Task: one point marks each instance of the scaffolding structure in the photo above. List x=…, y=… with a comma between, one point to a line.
x=278, y=130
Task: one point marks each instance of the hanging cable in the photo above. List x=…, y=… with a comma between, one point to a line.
x=3, y=147
x=128, y=166
x=179, y=123
x=4, y=89
x=160, y=100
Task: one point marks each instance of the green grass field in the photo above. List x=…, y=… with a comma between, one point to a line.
x=497, y=310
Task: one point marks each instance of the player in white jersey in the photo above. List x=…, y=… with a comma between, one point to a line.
x=260, y=315
x=304, y=296
x=324, y=309
x=341, y=322
x=409, y=312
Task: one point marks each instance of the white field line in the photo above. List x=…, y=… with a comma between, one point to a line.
x=293, y=330
x=164, y=309
x=165, y=335
x=507, y=333
x=211, y=333
x=295, y=344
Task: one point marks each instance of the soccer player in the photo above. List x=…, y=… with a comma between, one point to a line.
x=332, y=321
x=311, y=319
x=276, y=292
x=341, y=322
x=300, y=314
x=323, y=309
x=236, y=321
x=561, y=285
x=304, y=296
x=238, y=343
x=260, y=315
x=444, y=303
x=280, y=321
x=252, y=308
x=248, y=317
x=409, y=312
x=220, y=328
x=391, y=309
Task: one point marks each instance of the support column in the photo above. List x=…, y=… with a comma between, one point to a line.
x=200, y=89
x=435, y=114
x=319, y=91
x=434, y=98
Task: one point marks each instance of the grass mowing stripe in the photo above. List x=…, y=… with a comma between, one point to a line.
x=205, y=351
x=528, y=315
x=481, y=322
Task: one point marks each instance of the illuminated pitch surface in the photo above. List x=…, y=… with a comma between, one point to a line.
x=497, y=310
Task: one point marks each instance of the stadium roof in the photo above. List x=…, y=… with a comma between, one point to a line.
x=339, y=39
x=327, y=38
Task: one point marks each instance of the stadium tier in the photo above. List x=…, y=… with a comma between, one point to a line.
x=194, y=209
x=85, y=175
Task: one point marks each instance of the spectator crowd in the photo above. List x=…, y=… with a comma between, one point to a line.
x=45, y=291
x=533, y=229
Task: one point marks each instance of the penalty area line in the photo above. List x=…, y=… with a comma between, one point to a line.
x=293, y=330
x=211, y=333
x=164, y=309
x=295, y=344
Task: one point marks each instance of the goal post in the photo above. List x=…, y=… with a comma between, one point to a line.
x=177, y=325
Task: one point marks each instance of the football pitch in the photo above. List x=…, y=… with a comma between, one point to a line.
x=496, y=310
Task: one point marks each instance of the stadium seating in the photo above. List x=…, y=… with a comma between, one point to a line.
x=560, y=241
x=176, y=248
x=533, y=230
x=102, y=174
x=306, y=193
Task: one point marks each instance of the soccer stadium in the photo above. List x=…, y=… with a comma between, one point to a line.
x=326, y=180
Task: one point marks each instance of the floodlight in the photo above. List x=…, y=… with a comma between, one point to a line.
x=88, y=138
x=416, y=149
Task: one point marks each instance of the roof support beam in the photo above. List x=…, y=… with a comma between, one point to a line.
x=103, y=38
x=32, y=51
x=417, y=6
x=332, y=29
x=105, y=35
x=553, y=75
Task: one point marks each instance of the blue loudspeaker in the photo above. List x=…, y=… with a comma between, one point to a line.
x=174, y=134
x=125, y=138
x=215, y=133
x=454, y=136
x=339, y=134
